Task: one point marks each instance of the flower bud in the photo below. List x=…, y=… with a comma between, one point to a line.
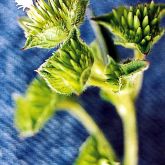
x=49, y=24
x=120, y=76
x=143, y=20
x=25, y=4
x=136, y=22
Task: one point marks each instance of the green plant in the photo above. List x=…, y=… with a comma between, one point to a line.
x=75, y=66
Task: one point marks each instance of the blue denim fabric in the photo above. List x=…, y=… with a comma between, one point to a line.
x=59, y=141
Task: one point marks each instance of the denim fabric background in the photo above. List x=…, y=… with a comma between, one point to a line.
x=59, y=141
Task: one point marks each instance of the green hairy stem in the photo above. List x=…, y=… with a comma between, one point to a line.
x=126, y=109
x=130, y=131
x=81, y=115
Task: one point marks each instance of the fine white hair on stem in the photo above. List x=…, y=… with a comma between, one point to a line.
x=24, y=4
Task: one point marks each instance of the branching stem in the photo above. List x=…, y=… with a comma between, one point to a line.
x=79, y=113
x=124, y=103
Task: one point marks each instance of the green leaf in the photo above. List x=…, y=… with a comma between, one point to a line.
x=49, y=24
x=92, y=153
x=35, y=108
x=68, y=70
x=131, y=26
x=134, y=67
x=47, y=39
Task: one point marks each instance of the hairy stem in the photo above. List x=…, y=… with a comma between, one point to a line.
x=139, y=78
x=138, y=55
x=127, y=112
x=125, y=108
x=98, y=82
x=124, y=103
x=79, y=113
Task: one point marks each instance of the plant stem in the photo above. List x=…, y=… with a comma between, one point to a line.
x=99, y=37
x=97, y=82
x=124, y=103
x=79, y=113
x=138, y=55
x=139, y=78
x=127, y=112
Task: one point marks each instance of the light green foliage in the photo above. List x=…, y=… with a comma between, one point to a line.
x=35, y=108
x=49, y=24
x=93, y=153
x=68, y=70
x=120, y=76
x=135, y=27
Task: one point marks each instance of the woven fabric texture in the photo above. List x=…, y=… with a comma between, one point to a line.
x=58, y=143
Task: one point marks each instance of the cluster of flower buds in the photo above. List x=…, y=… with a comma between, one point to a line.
x=120, y=76
x=49, y=23
x=68, y=70
x=135, y=27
